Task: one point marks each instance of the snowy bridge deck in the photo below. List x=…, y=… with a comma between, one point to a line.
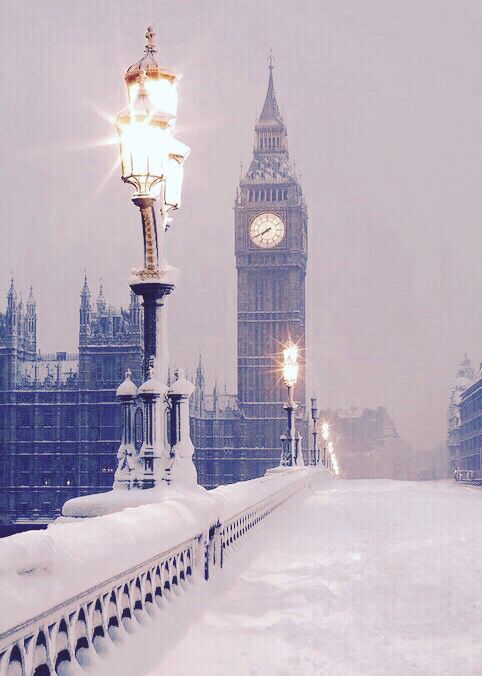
x=68, y=592
x=352, y=577
x=356, y=577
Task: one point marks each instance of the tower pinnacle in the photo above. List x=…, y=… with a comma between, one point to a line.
x=270, y=111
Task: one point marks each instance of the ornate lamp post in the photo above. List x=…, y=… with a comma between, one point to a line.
x=152, y=162
x=315, y=459
x=291, y=444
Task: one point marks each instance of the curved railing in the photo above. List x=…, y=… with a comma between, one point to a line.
x=66, y=632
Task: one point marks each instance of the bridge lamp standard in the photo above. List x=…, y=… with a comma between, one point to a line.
x=315, y=458
x=290, y=444
x=151, y=161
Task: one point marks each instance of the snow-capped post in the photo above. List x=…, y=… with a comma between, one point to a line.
x=180, y=469
x=285, y=451
x=290, y=377
x=298, y=460
x=151, y=161
x=126, y=466
x=153, y=451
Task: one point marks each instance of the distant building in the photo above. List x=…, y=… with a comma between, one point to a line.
x=463, y=381
x=59, y=419
x=470, y=431
x=368, y=446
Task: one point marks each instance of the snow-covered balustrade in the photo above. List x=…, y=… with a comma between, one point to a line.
x=66, y=590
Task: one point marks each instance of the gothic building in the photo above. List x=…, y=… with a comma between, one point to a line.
x=465, y=377
x=469, y=431
x=238, y=437
x=59, y=419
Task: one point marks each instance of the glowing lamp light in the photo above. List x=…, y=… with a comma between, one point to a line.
x=162, y=91
x=325, y=431
x=161, y=84
x=290, y=364
x=145, y=139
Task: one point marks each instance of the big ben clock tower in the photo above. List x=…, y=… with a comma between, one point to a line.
x=271, y=256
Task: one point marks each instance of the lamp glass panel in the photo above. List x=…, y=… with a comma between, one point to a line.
x=144, y=150
x=162, y=94
x=173, y=186
x=290, y=374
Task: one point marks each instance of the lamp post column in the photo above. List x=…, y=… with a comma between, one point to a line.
x=290, y=407
x=314, y=417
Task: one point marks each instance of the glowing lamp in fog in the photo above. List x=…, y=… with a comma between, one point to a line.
x=325, y=431
x=144, y=138
x=162, y=92
x=290, y=364
x=161, y=84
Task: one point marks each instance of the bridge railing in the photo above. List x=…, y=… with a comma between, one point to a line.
x=69, y=630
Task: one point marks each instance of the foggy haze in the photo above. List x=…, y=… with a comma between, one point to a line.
x=383, y=103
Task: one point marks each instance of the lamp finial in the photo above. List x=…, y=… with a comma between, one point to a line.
x=150, y=46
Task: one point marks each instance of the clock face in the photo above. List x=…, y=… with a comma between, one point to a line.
x=266, y=230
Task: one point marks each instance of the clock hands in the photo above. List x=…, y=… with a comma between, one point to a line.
x=260, y=234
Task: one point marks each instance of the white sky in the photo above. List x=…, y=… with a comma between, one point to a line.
x=383, y=102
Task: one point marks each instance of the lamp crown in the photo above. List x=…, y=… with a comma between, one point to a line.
x=150, y=46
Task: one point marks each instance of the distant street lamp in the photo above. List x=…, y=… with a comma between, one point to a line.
x=315, y=458
x=325, y=433
x=291, y=446
x=152, y=162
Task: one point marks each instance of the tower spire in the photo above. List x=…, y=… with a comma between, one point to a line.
x=270, y=111
x=101, y=304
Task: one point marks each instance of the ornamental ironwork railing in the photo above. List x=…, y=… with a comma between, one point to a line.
x=68, y=631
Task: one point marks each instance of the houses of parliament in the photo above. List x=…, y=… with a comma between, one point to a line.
x=59, y=419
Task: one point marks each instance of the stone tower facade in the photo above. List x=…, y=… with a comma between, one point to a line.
x=271, y=257
x=237, y=437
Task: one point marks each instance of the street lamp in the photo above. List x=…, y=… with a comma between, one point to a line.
x=152, y=161
x=291, y=447
x=314, y=416
x=325, y=433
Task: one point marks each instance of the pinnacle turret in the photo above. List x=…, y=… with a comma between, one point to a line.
x=31, y=299
x=200, y=373
x=101, y=304
x=12, y=295
x=270, y=111
x=85, y=293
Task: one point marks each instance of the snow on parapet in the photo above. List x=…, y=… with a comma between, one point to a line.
x=74, y=555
